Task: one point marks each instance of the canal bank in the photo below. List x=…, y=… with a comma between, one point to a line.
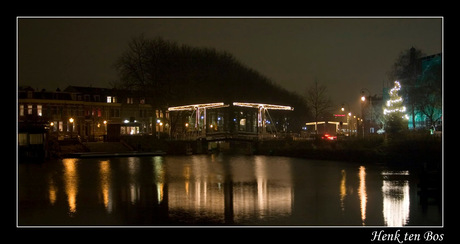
x=407, y=152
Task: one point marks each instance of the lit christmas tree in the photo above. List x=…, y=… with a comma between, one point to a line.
x=394, y=111
x=395, y=102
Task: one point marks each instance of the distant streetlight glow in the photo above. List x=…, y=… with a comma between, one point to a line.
x=363, y=98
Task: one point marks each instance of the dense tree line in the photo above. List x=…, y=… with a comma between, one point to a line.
x=170, y=74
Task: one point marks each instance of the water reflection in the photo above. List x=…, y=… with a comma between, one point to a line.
x=52, y=190
x=343, y=189
x=159, y=177
x=230, y=192
x=396, y=198
x=133, y=169
x=224, y=190
x=71, y=183
x=105, y=179
x=362, y=193
x=195, y=190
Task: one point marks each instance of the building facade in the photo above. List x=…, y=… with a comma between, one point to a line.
x=87, y=112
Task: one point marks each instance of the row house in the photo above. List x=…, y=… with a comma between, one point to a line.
x=88, y=112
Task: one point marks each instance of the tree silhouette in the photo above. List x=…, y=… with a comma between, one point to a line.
x=169, y=74
x=318, y=101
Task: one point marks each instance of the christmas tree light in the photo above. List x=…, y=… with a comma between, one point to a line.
x=395, y=104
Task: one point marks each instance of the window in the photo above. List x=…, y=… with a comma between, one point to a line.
x=29, y=109
x=159, y=113
x=109, y=99
x=129, y=100
x=35, y=139
x=61, y=126
x=22, y=139
x=129, y=130
x=21, y=110
x=39, y=110
x=114, y=113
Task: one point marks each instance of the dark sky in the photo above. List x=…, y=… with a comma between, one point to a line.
x=346, y=54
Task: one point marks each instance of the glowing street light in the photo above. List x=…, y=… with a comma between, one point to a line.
x=71, y=121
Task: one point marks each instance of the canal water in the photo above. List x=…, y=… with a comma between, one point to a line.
x=205, y=190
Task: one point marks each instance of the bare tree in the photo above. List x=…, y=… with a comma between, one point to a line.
x=318, y=101
x=429, y=93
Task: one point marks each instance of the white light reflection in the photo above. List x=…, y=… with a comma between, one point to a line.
x=71, y=183
x=273, y=195
x=396, y=198
x=362, y=193
x=195, y=190
x=159, y=174
x=242, y=190
x=133, y=169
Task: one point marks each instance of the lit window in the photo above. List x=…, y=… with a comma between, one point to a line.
x=21, y=110
x=109, y=99
x=29, y=109
x=39, y=110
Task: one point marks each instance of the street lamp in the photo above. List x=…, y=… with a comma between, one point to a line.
x=363, y=100
x=348, y=117
x=159, y=124
x=71, y=122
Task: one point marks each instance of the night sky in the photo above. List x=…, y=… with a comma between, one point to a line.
x=346, y=54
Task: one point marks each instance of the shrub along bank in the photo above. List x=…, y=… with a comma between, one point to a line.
x=407, y=151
